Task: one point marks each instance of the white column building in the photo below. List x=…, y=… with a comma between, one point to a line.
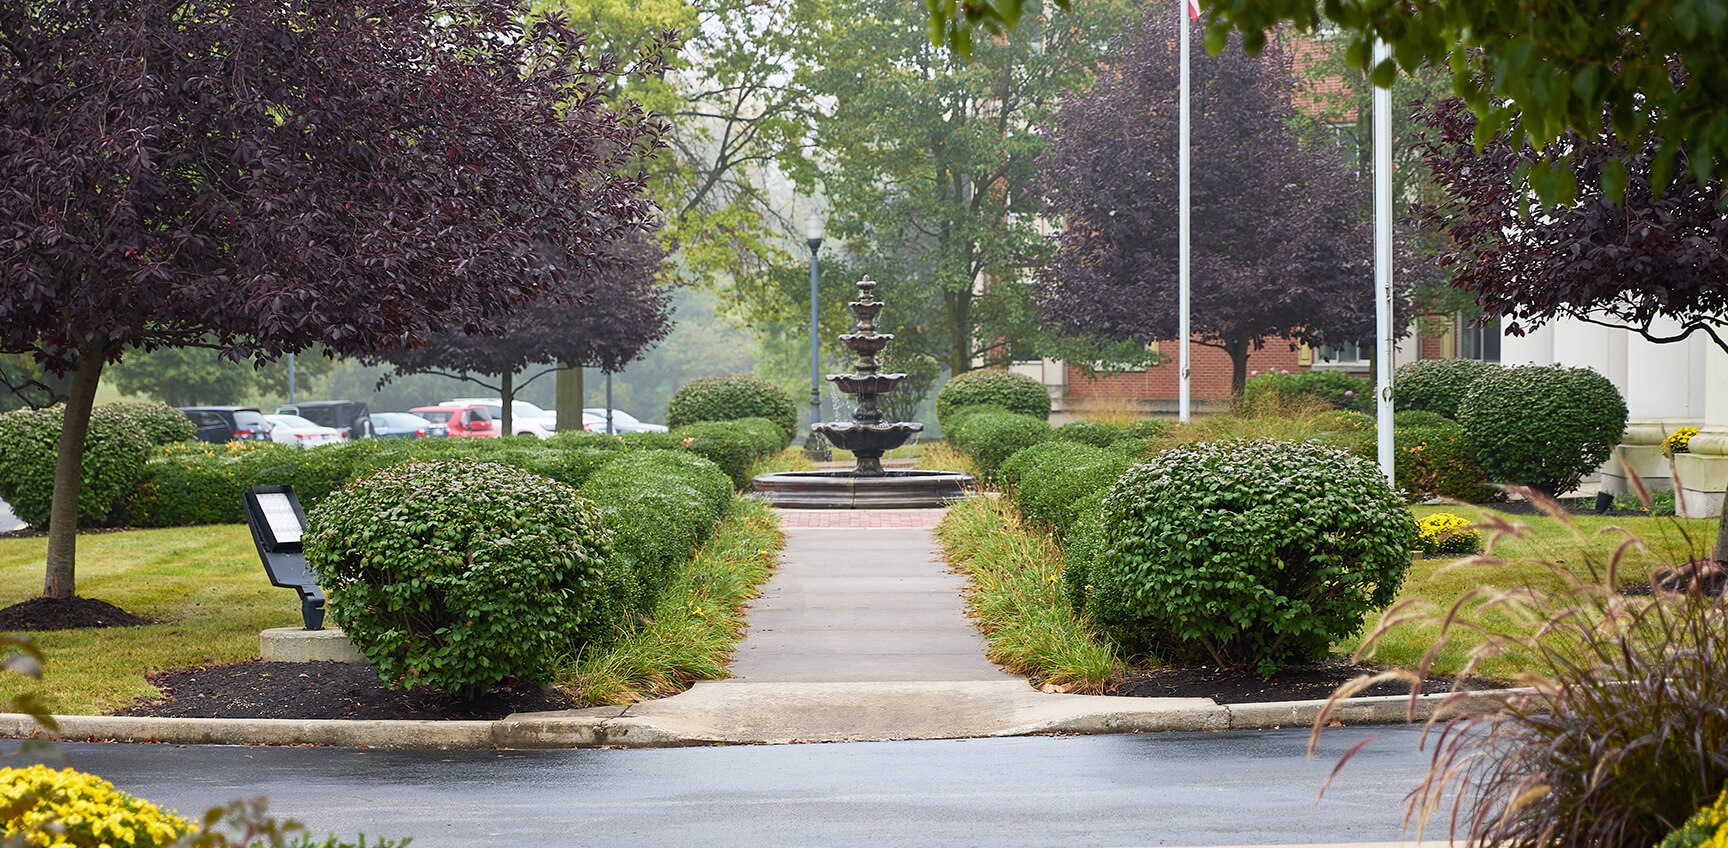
x=1666, y=386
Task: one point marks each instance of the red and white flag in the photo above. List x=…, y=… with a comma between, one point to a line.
x=1193, y=9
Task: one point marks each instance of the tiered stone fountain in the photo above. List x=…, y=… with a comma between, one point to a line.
x=868, y=485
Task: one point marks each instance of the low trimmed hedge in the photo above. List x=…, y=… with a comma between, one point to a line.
x=201, y=483
x=659, y=506
x=115, y=451
x=990, y=437
x=163, y=424
x=733, y=445
x=1437, y=460
x=1051, y=482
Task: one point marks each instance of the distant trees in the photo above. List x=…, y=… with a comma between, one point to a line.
x=602, y=321
x=1280, y=245
x=927, y=160
x=264, y=176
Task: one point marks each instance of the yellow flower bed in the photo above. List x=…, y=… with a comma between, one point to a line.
x=1707, y=829
x=69, y=808
x=1677, y=441
x=1445, y=533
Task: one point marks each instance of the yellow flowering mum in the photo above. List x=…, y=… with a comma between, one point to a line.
x=51, y=809
x=1445, y=533
x=1707, y=829
x=1677, y=441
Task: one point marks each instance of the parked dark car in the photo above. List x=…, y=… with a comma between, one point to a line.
x=350, y=417
x=228, y=423
x=401, y=425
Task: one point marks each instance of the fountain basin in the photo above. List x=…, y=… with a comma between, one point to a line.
x=855, y=384
x=914, y=489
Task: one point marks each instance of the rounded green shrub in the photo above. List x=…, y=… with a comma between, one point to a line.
x=1436, y=385
x=163, y=424
x=729, y=399
x=1246, y=553
x=1439, y=461
x=1336, y=389
x=1080, y=547
x=115, y=450
x=1013, y=392
x=1421, y=418
x=1049, y=481
x=1094, y=433
x=732, y=445
x=459, y=575
x=1542, y=426
x=659, y=506
x=991, y=437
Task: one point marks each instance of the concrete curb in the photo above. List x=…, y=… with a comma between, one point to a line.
x=616, y=727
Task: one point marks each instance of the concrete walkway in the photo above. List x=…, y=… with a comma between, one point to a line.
x=860, y=635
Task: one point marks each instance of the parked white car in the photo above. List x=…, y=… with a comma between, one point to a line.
x=594, y=418
x=527, y=418
x=294, y=430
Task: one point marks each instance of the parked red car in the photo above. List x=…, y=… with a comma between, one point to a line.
x=458, y=421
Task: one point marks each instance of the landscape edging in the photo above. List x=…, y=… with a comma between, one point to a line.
x=529, y=730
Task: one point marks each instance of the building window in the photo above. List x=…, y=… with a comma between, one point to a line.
x=1342, y=355
x=1478, y=341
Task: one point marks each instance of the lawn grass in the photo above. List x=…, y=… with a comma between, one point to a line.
x=1016, y=599
x=208, y=586
x=698, y=624
x=1016, y=591
x=1578, y=545
x=205, y=583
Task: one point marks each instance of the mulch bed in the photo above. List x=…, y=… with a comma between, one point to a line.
x=324, y=690
x=54, y=614
x=1315, y=682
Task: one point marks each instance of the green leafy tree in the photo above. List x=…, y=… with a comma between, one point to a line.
x=927, y=160
x=1647, y=71
x=185, y=376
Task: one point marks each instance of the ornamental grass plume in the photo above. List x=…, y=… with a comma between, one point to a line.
x=70, y=808
x=1620, y=732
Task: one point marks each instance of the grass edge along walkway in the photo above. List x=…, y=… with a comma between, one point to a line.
x=1017, y=602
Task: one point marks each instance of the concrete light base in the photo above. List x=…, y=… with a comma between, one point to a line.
x=297, y=644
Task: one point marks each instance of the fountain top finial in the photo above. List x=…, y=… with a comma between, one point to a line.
x=865, y=287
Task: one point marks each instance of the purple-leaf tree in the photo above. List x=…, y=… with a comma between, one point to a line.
x=263, y=176
x=603, y=320
x=1651, y=264
x=1638, y=264
x=1280, y=244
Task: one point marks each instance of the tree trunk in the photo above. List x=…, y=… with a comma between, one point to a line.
x=507, y=396
x=60, y=581
x=959, y=331
x=567, y=397
x=1238, y=351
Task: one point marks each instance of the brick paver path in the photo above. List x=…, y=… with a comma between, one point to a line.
x=921, y=519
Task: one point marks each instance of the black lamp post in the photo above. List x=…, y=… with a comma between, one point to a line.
x=813, y=237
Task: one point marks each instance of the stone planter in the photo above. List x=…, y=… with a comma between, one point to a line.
x=1702, y=474
x=1640, y=452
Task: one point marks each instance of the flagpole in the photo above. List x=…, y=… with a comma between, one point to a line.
x=1383, y=264
x=1183, y=215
